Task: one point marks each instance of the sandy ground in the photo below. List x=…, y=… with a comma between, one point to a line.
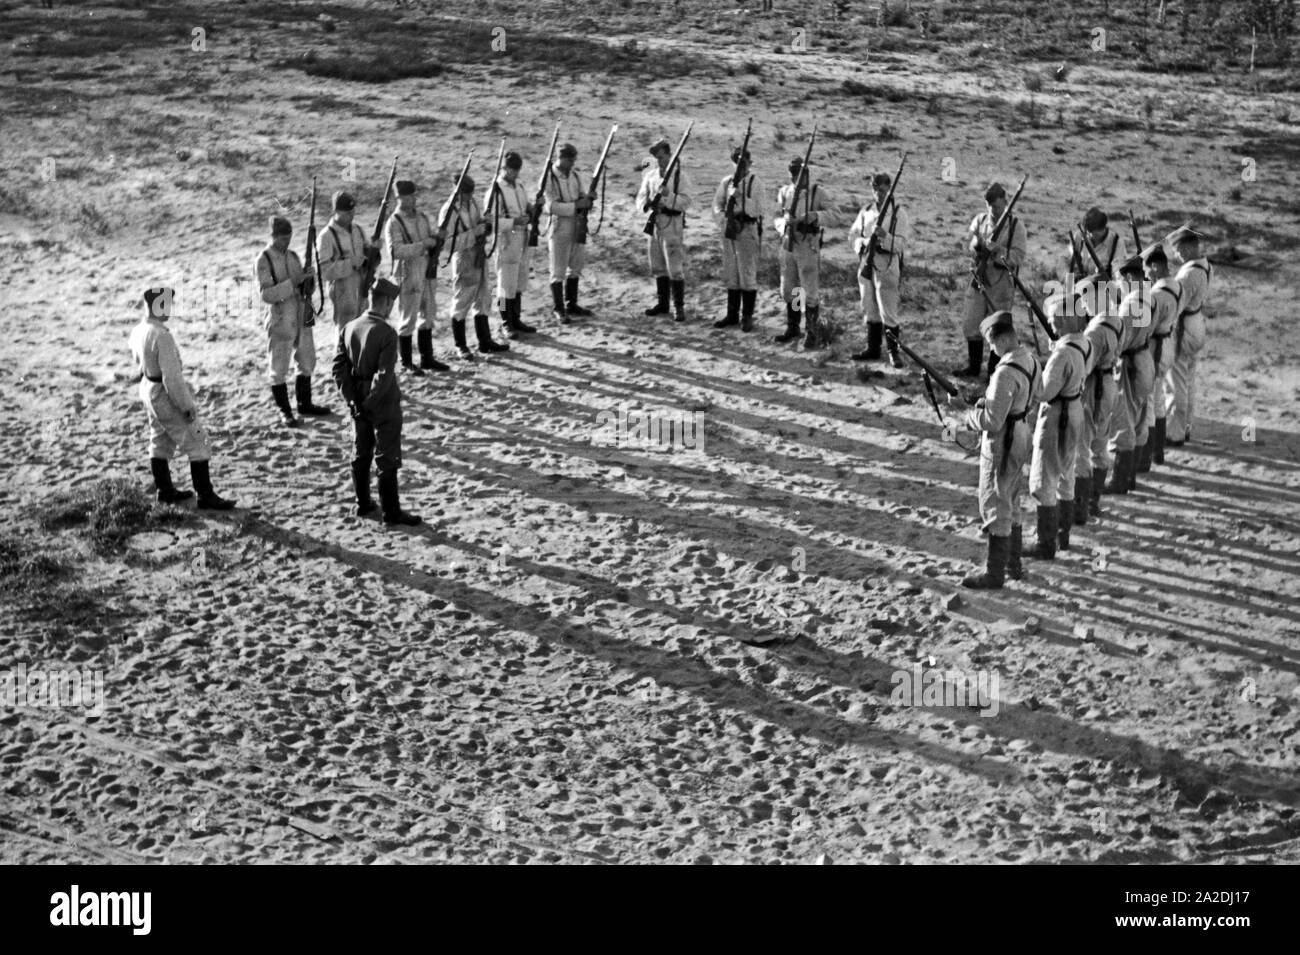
x=595, y=653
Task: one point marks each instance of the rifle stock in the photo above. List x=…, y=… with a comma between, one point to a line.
x=535, y=213
x=489, y=208
x=939, y=378
x=372, y=260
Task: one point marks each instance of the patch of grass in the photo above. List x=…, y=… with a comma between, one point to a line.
x=109, y=512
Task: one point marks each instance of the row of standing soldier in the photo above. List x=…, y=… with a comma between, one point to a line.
x=1079, y=402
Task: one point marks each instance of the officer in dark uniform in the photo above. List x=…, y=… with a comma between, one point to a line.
x=365, y=370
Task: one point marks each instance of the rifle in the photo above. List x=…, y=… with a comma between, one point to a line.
x=371, y=264
x=673, y=162
x=580, y=228
x=1034, y=308
x=733, y=227
x=868, y=266
x=1092, y=253
x=981, y=264
x=535, y=211
x=489, y=211
x=928, y=372
x=1137, y=239
x=432, y=270
x=312, y=312
x=801, y=184
x=1076, y=261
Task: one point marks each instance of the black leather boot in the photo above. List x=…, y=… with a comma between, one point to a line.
x=1158, y=450
x=974, y=359
x=458, y=336
x=1118, y=482
x=678, y=288
x=1045, y=548
x=791, y=326
x=1082, y=500
x=1131, y=469
x=361, y=485
x=424, y=339
x=748, y=298
x=505, y=307
x=571, y=298
x=1064, y=518
x=812, y=328
x=662, y=288
x=733, y=310
x=1143, y=459
x=875, y=334
x=1015, y=570
x=388, y=500
x=558, y=308
x=302, y=391
x=404, y=349
x=483, y=330
x=1098, y=485
x=517, y=309
x=280, y=395
x=996, y=567
x=208, y=498
x=162, y=482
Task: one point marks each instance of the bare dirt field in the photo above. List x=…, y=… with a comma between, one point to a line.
x=595, y=653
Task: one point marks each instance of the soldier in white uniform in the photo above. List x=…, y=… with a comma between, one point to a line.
x=801, y=264
x=1105, y=331
x=666, y=248
x=1189, y=337
x=566, y=196
x=412, y=247
x=878, y=280
x=1007, y=254
x=738, y=212
x=1106, y=242
x=511, y=225
x=470, y=290
x=1128, y=427
x=1166, y=296
x=1013, y=391
x=287, y=289
x=341, y=249
x=173, y=414
x=1056, y=432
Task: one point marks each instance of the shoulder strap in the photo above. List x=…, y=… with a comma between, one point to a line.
x=337, y=244
x=402, y=225
x=266, y=254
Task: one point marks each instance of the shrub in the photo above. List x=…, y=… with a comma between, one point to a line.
x=111, y=511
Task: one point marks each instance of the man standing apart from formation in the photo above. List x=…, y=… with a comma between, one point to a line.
x=173, y=414
x=365, y=370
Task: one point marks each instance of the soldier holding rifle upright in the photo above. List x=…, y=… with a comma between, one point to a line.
x=738, y=209
x=665, y=195
x=996, y=239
